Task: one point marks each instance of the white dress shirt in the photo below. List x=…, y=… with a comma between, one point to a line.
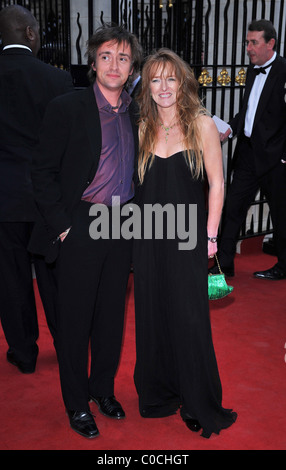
x=21, y=46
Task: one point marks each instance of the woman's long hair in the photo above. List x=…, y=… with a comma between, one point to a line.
x=189, y=108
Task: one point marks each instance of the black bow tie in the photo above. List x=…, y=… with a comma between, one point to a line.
x=262, y=69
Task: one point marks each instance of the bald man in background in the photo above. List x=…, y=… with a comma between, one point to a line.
x=27, y=85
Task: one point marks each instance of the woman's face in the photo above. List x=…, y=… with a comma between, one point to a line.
x=164, y=86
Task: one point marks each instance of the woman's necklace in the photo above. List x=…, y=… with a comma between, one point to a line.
x=167, y=129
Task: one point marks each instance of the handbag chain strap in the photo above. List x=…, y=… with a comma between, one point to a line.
x=218, y=264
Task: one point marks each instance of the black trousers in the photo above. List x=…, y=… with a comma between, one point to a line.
x=17, y=300
x=242, y=191
x=92, y=278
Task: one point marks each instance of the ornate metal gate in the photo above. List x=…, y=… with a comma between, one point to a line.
x=54, y=20
x=210, y=35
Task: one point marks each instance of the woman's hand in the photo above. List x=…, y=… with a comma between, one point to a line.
x=212, y=249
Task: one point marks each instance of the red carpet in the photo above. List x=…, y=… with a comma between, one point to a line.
x=249, y=333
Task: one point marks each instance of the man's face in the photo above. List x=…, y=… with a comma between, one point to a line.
x=258, y=50
x=113, y=65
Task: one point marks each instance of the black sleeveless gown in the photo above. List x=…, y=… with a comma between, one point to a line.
x=175, y=365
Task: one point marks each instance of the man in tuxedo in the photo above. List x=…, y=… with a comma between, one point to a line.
x=88, y=146
x=26, y=87
x=260, y=155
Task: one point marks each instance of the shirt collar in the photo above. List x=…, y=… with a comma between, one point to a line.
x=102, y=102
x=19, y=46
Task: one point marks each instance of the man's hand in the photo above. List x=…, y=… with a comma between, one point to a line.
x=224, y=136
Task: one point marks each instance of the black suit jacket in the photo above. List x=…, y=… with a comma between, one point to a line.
x=268, y=137
x=27, y=85
x=136, y=89
x=68, y=157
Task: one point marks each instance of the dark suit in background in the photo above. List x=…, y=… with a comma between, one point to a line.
x=135, y=87
x=27, y=85
x=259, y=163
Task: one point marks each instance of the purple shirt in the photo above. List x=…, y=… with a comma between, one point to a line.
x=116, y=163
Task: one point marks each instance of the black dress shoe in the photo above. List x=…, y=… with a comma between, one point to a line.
x=273, y=274
x=193, y=424
x=108, y=406
x=226, y=270
x=83, y=423
x=24, y=367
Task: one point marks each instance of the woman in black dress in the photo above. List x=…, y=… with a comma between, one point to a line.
x=179, y=149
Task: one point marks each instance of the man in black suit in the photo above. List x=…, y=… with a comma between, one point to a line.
x=135, y=86
x=260, y=156
x=26, y=87
x=88, y=146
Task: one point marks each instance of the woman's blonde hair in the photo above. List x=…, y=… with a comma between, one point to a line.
x=189, y=108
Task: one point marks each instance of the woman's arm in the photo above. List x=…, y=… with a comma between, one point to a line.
x=212, y=155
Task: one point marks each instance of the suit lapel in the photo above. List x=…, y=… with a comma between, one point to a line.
x=250, y=80
x=248, y=86
x=267, y=90
x=92, y=125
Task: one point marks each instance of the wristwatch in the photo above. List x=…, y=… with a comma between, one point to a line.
x=212, y=239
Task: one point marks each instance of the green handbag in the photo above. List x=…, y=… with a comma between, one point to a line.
x=217, y=286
